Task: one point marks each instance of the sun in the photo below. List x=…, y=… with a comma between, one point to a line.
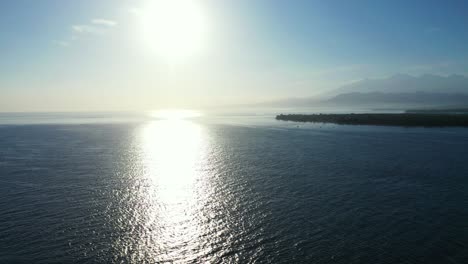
x=174, y=29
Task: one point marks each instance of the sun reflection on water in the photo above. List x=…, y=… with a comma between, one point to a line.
x=174, y=161
x=173, y=150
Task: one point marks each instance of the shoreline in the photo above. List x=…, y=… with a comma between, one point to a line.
x=403, y=119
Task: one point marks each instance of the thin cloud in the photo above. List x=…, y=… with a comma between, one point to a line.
x=134, y=11
x=97, y=26
x=104, y=22
x=62, y=43
x=86, y=29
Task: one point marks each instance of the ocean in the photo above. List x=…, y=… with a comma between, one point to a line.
x=89, y=188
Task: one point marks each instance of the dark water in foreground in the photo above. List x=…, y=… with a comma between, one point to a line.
x=239, y=192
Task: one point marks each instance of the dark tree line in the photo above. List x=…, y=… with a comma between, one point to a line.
x=406, y=119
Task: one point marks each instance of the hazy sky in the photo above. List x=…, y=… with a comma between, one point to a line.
x=98, y=55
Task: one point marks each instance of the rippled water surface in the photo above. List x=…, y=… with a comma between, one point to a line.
x=240, y=191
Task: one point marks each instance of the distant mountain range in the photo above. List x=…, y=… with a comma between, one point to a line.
x=400, y=99
x=399, y=91
x=403, y=83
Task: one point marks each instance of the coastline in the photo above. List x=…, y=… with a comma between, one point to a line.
x=402, y=119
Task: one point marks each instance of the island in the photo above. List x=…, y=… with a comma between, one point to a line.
x=403, y=119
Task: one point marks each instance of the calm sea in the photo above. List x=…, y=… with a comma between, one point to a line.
x=87, y=188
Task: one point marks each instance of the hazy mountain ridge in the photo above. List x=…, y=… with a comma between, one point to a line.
x=400, y=90
x=404, y=83
x=403, y=99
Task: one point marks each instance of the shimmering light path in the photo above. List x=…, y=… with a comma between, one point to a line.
x=187, y=191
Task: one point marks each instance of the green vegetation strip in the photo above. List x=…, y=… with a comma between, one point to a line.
x=406, y=119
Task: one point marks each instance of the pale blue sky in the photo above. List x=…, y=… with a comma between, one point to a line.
x=88, y=55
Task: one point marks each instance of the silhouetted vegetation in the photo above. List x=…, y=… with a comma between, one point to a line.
x=406, y=119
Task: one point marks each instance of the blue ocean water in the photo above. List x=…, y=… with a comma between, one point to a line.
x=232, y=189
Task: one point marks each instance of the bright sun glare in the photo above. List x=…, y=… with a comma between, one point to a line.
x=175, y=114
x=174, y=29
